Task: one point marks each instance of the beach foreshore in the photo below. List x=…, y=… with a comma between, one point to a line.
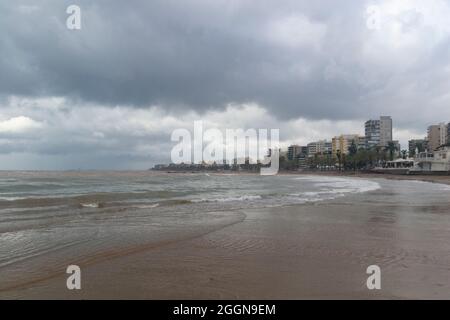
x=426, y=178
x=444, y=179
x=311, y=251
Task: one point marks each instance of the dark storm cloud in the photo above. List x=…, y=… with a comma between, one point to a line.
x=188, y=54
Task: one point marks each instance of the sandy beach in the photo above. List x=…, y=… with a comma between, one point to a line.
x=316, y=250
x=426, y=178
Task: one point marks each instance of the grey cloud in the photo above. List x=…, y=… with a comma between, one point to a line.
x=297, y=59
x=190, y=55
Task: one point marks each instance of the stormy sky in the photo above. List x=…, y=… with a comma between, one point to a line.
x=109, y=95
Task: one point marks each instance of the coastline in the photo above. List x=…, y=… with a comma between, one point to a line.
x=444, y=179
x=425, y=178
x=315, y=250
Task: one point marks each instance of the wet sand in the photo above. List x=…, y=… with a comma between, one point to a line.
x=426, y=178
x=312, y=251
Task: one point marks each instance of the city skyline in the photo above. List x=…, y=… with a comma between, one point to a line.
x=377, y=134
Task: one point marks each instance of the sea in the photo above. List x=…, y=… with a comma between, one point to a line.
x=49, y=220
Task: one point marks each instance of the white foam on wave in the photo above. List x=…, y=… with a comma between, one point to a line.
x=12, y=198
x=148, y=206
x=90, y=205
x=339, y=185
x=439, y=185
x=307, y=194
x=229, y=199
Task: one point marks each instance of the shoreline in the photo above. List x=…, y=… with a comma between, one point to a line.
x=444, y=179
x=291, y=252
x=425, y=178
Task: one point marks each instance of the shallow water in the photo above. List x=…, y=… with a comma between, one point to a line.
x=51, y=219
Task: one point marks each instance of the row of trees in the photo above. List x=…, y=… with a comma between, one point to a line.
x=356, y=159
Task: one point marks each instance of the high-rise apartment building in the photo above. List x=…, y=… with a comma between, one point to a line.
x=448, y=132
x=385, y=131
x=437, y=136
x=319, y=147
x=361, y=142
x=372, y=131
x=343, y=142
x=415, y=145
x=378, y=132
x=295, y=151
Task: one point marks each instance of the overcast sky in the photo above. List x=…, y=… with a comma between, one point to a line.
x=109, y=95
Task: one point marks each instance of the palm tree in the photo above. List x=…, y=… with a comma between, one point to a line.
x=378, y=156
x=353, y=149
x=404, y=152
x=391, y=147
x=339, y=156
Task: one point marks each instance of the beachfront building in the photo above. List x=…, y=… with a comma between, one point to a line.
x=362, y=142
x=319, y=147
x=416, y=146
x=448, y=132
x=399, y=164
x=436, y=162
x=385, y=130
x=302, y=161
x=295, y=152
x=372, y=131
x=378, y=132
x=292, y=152
x=343, y=142
x=437, y=136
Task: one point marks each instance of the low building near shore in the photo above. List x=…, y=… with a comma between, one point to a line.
x=436, y=162
x=398, y=166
